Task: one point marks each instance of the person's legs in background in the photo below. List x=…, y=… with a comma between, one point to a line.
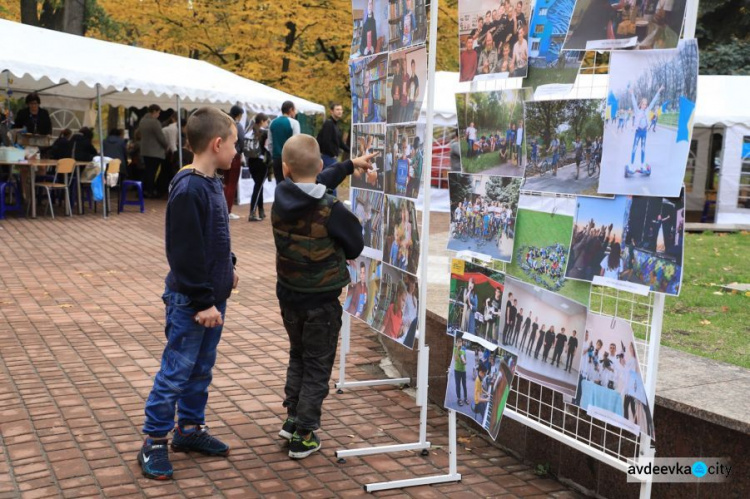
x=231, y=179
x=149, y=175
x=278, y=173
x=259, y=171
x=329, y=161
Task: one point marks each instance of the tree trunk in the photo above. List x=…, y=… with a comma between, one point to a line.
x=29, y=14
x=73, y=17
x=67, y=16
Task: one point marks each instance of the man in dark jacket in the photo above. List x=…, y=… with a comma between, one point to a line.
x=33, y=118
x=330, y=138
x=115, y=147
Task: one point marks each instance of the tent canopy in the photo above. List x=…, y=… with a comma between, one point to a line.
x=723, y=100
x=69, y=66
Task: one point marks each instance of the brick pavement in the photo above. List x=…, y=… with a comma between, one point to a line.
x=81, y=337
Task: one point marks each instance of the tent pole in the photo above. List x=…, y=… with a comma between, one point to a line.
x=105, y=200
x=179, y=133
x=7, y=94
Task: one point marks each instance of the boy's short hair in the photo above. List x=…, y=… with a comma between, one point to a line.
x=153, y=108
x=206, y=124
x=33, y=97
x=301, y=154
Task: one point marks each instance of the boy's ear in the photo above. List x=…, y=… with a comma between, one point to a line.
x=320, y=166
x=285, y=170
x=216, y=144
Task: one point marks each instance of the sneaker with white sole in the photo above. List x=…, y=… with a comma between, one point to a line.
x=301, y=447
x=233, y=216
x=288, y=429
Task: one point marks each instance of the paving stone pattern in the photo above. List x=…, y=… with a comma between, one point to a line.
x=81, y=335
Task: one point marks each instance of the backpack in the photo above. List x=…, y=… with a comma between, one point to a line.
x=252, y=145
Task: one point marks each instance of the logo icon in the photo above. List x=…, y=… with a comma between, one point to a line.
x=699, y=469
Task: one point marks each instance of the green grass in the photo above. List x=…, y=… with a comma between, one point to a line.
x=541, y=229
x=544, y=76
x=478, y=164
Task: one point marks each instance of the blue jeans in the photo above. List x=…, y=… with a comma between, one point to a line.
x=329, y=161
x=186, y=366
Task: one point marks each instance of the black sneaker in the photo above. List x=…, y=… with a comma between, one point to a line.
x=198, y=440
x=300, y=448
x=154, y=460
x=287, y=429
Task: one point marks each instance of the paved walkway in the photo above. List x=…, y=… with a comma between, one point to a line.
x=81, y=334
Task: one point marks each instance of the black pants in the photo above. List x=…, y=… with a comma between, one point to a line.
x=313, y=336
x=278, y=173
x=545, y=353
x=569, y=360
x=149, y=175
x=259, y=172
x=460, y=382
x=556, y=356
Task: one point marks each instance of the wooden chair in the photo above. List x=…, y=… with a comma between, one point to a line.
x=113, y=167
x=64, y=167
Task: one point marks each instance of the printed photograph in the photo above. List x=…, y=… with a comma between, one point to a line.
x=548, y=63
x=396, y=313
x=401, y=234
x=408, y=23
x=543, y=329
x=490, y=374
x=369, y=208
x=563, y=145
x=483, y=214
x=367, y=139
x=492, y=132
x=370, y=35
x=404, y=159
x=476, y=295
x=651, y=104
x=621, y=24
x=541, y=249
x=407, y=84
x=369, y=78
x=610, y=384
x=361, y=293
x=493, y=38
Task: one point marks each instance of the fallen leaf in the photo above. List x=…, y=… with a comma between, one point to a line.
x=725, y=309
x=65, y=305
x=464, y=440
x=705, y=322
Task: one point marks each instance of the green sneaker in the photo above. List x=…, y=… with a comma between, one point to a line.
x=300, y=447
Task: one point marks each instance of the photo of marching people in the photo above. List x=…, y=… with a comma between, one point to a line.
x=368, y=79
x=404, y=159
x=488, y=371
x=620, y=24
x=636, y=239
x=493, y=38
x=541, y=250
x=407, y=84
x=651, y=105
x=370, y=27
x=396, y=312
x=367, y=139
x=563, y=145
x=360, y=294
x=610, y=384
x=476, y=295
x=407, y=21
x=369, y=208
x=492, y=132
x=543, y=329
x=401, y=236
x=483, y=214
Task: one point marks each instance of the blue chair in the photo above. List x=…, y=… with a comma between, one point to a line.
x=124, y=194
x=16, y=193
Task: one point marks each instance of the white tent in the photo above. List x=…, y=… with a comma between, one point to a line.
x=70, y=67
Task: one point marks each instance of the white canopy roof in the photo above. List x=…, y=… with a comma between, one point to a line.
x=70, y=66
x=723, y=100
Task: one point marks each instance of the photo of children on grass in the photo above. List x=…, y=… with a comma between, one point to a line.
x=542, y=245
x=370, y=27
x=563, y=145
x=368, y=79
x=404, y=159
x=360, y=294
x=492, y=132
x=610, y=385
x=401, y=234
x=636, y=239
x=476, y=294
x=367, y=139
x=397, y=306
x=620, y=24
x=408, y=23
x=483, y=214
x=490, y=372
x=407, y=84
x=493, y=38
x=651, y=104
x=369, y=208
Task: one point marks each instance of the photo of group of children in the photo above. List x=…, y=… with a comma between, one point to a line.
x=483, y=214
x=610, y=384
x=492, y=132
x=493, y=38
x=364, y=287
x=370, y=27
x=635, y=239
x=367, y=139
x=564, y=144
x=651, y=104
x=401, y=234
x=640, y=24
x=406, y=69
x=369, y=208
x=491, y=370
x=396, y=314
x=475, y=300
x=404, y=159
x=368, y=82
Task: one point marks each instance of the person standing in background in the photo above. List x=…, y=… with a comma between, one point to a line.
x=330, y=138
x=154, y=147
x=282, y=129
x=257, y=158
x=233, y=175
